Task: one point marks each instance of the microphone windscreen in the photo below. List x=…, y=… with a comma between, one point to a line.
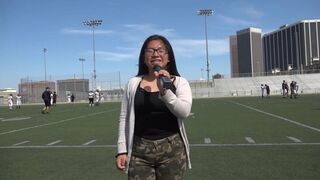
x=156, y=67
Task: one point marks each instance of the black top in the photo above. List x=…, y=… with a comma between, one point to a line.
x=46, y=95
x=153, y=120
x=54, y=96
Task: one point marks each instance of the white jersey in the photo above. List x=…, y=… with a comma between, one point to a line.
x=90, y=95
x=51, y=98
x=263, y=87
x=69, y=98
x=101, y=98
x=18, y=100
x=10, y=101
x=97, y=94
x=296, y=88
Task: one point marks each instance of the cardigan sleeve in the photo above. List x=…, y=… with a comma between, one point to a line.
x=180, y=103
x=122, y=147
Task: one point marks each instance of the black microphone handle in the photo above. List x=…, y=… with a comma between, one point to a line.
x=166, y=82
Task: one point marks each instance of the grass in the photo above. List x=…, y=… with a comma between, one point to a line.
x=226, y=121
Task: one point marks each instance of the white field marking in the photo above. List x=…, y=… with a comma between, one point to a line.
x=23, y=142
x=33, y=114
x=250, y=140
x=296, y=140
x=54, y=142
x=61, y=146
x=192, y=115
x=253, y=144
x=16, y=119
x=279, y=117
x=207, y=140
x=191, y=145
x=57, y=122
x=89, y=142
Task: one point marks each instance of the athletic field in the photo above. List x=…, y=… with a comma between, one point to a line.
x=231, y=138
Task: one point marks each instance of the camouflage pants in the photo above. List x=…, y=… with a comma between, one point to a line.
x=158, y=159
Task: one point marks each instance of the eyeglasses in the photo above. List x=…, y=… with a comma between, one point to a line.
x=160, y=51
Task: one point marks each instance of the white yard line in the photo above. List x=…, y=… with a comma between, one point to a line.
x=249, y=140
x=58, y=146
x=276, y=116
x=191, y=145
x=207, y=140
x=54, y=142
x=20, y=143
x=296, y=140
x=89, y=142
x=255, y=144
x=16, y=119
x=57, y=122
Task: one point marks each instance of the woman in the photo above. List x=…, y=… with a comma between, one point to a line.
x=152, y=142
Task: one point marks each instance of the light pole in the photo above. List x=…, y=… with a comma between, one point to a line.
x=45, y=64
x=202, y=73
x=93, y=24
x=82, y=60
x=205, y=13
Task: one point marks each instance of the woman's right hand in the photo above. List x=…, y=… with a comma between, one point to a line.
x=121, y=162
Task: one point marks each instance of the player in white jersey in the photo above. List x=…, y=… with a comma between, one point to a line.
x=263, y=87
x=97, y=97
x=101, y=97
x=91, y=98
x=18, y=97
x=51, y=98
x=69, y=98
x=10, y=101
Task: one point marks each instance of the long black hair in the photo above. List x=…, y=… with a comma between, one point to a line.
x=171, y=66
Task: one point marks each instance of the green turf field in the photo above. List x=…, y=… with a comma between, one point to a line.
x=231, y=138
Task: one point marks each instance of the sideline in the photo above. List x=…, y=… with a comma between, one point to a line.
x=276, y=116
x=57, y=122
x=191, y=145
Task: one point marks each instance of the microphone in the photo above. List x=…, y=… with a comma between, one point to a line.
x=165, y=81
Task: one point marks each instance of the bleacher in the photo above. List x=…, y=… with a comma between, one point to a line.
x=251, y=86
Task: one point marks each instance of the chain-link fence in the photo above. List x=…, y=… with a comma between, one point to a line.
x=109, y=84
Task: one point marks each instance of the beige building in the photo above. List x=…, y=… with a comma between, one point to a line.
x=31, y=91
x=246, y=53
x=4, y=93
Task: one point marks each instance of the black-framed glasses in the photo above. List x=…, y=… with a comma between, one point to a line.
x=160, y=51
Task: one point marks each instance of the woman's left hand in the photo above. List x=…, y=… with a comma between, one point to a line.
x=162, y=73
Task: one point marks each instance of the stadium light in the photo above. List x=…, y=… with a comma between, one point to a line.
x=93, y=24
x=205, y=13
x=45, y=64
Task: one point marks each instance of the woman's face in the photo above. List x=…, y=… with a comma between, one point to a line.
x=156, y=53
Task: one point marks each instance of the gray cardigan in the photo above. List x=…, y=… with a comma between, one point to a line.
x=179, y=104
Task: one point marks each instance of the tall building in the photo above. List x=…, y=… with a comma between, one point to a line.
x=292, y=47
x=234, y=56
x=246, y=53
